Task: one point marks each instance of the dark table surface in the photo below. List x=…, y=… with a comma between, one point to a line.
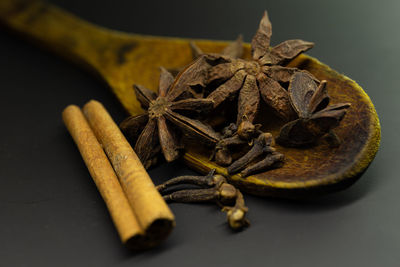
x=52, y=214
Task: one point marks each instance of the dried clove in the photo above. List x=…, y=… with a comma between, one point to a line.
x=250, y=162
x=316, y=117
x=237, y=214
x=273, y=160
x=205, y=181
x=215, y=188
x=235, y=136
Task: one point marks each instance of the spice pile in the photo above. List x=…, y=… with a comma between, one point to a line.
x=189, y=106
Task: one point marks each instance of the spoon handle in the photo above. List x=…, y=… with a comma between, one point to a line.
x=58, y=30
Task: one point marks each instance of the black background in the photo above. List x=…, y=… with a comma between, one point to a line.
x=52, y=214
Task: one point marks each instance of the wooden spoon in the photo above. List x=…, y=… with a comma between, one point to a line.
x=123, y=59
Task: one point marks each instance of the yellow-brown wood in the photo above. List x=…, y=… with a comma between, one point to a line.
x=124, y=59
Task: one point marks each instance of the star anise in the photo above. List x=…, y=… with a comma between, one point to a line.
x=261, y=75
x=158, y=127
x=315, y=117
x=233, y=50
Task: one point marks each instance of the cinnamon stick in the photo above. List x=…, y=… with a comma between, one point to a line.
x=152, y=212
x=103, y=175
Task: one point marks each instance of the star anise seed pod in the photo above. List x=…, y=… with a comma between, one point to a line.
x=233, y=50
x=261, y=75
x=157, y=127
x=315, y=117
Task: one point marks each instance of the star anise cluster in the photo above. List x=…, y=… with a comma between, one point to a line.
x=175, y=117
x=173, y=112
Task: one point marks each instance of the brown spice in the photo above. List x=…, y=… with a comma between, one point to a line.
x=215, y=189
x=104, y=176
x=251, y=163
x=316, y=118
x=152, y=213
x=261, y=75
x=233, y=50
x=234, y=138
x=158, y=126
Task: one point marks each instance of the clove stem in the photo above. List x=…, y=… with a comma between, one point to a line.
x=264, y=164
x=221, y=193
x=193, y=195
x=188, y=179
x=261, y=145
